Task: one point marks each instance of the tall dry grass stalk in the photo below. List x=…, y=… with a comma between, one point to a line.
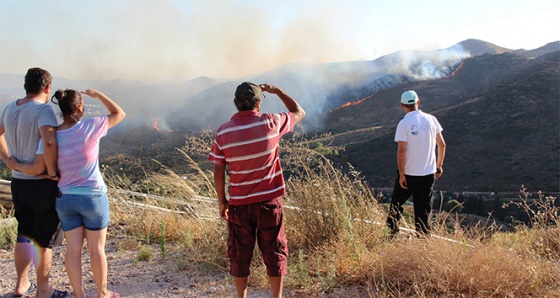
x=185, y=207
x=337, y=237
x=8, y=228
x=327, y=203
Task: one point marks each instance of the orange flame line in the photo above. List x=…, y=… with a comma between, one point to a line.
x=155, y=124
x=350, y=103
x=456, y=70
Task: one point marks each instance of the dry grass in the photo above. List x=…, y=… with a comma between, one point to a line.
x=336, y=240
x=542, y=237
x=8, y=228
x=436, y=268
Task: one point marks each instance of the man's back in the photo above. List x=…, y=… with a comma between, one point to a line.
x=419, y=130
x=21, y=124
x=249, y=145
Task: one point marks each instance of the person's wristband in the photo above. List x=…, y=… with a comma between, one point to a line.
x=438, y=171
x=52, y=177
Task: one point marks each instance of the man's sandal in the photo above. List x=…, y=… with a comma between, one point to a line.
x=59, y=294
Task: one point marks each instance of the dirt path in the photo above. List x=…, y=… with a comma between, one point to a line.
x=132, y=278
x=157, y=277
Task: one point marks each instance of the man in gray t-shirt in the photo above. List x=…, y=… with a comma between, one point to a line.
x=22, y=124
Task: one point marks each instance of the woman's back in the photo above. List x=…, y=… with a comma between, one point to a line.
x=78, y=157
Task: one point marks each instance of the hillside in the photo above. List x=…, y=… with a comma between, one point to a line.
x=322, y=87
x=498, y=109
x=549, y=47
x=495, y=110
x=478, y=47
x=500, y=117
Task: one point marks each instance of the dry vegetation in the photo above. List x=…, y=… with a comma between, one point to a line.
x=335, y=237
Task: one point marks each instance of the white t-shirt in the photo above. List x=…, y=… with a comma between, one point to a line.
x=419, y=131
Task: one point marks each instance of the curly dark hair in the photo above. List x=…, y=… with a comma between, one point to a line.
x=36, y=80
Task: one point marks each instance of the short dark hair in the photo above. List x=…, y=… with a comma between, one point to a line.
x=68, y=101
x=410, y=106
x=36, y=80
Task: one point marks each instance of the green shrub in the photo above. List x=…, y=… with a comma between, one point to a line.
x=145, y=253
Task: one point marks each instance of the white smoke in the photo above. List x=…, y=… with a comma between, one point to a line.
x=206, y=103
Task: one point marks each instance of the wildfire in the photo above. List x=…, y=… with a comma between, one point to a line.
x=164, y=129
x=350, y=103
x=455, y=71
x=155, y=124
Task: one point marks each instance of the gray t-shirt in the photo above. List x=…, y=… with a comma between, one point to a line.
x=21, y=125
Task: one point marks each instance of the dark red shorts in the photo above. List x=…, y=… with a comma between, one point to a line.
x=262, y=222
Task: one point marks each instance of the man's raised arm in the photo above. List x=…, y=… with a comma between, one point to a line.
x=291, y=104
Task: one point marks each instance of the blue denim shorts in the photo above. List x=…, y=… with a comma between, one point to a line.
x=90, y=211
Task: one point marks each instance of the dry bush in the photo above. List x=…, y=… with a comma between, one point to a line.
x=146, y=224
x=173, y=210
x=323, y=202
x=433, y=267
x=8, y=228
x=477, y=262
x=541, y=237
x=201, y=240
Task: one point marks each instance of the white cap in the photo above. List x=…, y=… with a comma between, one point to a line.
x=409, y=97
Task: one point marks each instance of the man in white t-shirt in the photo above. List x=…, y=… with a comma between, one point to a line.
x=418, y=134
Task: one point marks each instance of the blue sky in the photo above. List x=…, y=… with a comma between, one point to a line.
x=174, y=40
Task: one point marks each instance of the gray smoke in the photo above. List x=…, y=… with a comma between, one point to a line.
x=207, y=102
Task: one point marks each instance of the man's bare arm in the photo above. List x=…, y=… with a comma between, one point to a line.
x=401, y=161
x=50, y=152
x=291, y=104
x=441, y=147
x=34, y=169
x=220, y=185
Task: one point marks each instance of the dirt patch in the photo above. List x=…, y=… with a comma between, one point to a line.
x=157, y=277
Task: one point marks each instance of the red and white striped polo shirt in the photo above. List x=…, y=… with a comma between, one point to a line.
x=248, y=144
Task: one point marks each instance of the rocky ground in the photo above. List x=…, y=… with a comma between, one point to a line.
x=133, y=278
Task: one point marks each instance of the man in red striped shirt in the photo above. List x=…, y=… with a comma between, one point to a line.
x=248, y=146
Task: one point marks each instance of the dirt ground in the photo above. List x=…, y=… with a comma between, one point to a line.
x=157, y=277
